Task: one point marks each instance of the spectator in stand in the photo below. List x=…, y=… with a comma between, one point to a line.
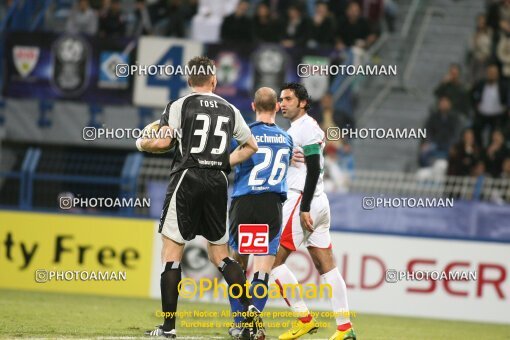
x=505, y=171
x=322, y=27
x=503, y=55
x=506, y=132
x=206, y=24
x=296, y=28
x=499, y=16
x=82, y=19
x=160, y=10
x=495, y=154
x=265, y=27
x=112, y=22
x=373, y=11
x=390, y=14
x=174, y=22
x=478, y=172
x=338, y=153
x=452, y=87
x=442, y=126
x=481, y=48
x=354, y=29
x=331, y=117
x=278, y=8
x=489, y=97
x=338, y=166
x=463, y=155
x=338, y=8
x=216, y=8
x=157, y=11
x=142, y=24
x=4, y=9
x=237, y=27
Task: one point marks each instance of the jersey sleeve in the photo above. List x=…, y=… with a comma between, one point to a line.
x=312, y=141
x=163, y=121
x=241, y=130
x=174, y=115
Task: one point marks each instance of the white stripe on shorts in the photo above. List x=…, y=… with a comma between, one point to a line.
x=171, y=225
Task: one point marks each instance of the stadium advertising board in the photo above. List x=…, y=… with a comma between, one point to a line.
x=69, y=67
x=75, y=254
x=368, y=264
x=375, y=269
x=121, y=257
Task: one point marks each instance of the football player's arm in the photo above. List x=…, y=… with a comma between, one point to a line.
x=248, y=144
x=162, y=143
x=165, y=132
x=244, y=151
x=313, y=171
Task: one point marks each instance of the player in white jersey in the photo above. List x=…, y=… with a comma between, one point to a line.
x=306, y=219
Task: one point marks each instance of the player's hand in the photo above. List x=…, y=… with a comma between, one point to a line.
x=297, y=157
x=306, y=221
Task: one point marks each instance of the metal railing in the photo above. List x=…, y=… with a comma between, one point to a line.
x=37, y=188
x=379, y=182
x=480, y=188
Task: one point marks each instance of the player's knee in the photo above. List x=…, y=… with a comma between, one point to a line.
x=216, y=258
x=323, y=262
x=281, y=257
x=170, y=255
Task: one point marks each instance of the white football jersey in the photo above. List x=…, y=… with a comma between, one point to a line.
x=306, y=134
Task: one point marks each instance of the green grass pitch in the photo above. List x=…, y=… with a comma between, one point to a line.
x=50, y=315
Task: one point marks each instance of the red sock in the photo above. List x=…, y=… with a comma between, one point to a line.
x=306, y=319
x=344, y=327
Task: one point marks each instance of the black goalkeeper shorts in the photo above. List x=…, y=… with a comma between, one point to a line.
x=196, y=204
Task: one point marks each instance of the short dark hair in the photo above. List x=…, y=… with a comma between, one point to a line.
x=202, y=65
x=300, y=92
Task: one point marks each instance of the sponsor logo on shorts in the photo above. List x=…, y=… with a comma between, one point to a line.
x=253, y=238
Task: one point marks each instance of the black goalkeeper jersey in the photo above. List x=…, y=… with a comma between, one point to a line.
x=205, y=123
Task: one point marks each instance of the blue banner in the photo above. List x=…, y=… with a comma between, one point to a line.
x=242, y=69
x=465, y=219
x=70, y=67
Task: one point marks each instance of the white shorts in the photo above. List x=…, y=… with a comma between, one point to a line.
x=293, y=235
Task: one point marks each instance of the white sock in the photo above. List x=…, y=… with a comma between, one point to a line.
x=339, y=295
x=283, y=276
